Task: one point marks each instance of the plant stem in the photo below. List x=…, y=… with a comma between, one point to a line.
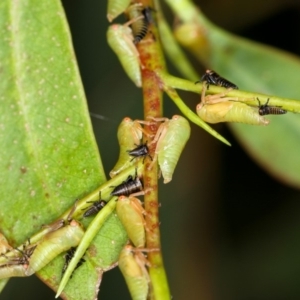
x=152, y=61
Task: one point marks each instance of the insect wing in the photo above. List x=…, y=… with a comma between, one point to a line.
x=130, y=213
x=171, y=145
x=53, y=244
x=129, y=135
x=120, y=40
x=135, y=277
x=115, y=8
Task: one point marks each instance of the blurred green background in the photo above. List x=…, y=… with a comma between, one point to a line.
x=222, y=237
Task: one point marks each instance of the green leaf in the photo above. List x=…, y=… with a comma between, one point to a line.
x=48, y=154
x=260, y=68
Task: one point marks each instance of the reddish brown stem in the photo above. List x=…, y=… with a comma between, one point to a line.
x=152, y=61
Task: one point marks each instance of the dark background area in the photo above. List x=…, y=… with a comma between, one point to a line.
x=222, y=237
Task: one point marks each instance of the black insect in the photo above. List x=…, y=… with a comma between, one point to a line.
x=140, y=26
x=140, y=151
x=211, y=77
x=68, y=256
x=95, y=207
x=266, y=109
x=129, y=186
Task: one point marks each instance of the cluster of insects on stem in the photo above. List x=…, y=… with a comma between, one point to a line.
x=212, y=109
x=123, y=38
x=67, y=235
x=219, y=108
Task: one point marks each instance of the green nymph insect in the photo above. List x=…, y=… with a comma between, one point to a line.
x=218, y=108
x=53, y=244
x=130, y=134
x=134, y=272
x=120, y=40
x=171, y=138
x=116, y=7
x=130, y=213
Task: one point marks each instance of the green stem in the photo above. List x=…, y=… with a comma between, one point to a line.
x=249, y=98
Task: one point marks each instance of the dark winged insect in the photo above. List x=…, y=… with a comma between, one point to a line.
x=143, y=18
x=211, y=77
x=265, y=109
x=95, y=207
x=68, y=256
x=140, y=151
x=128, y=187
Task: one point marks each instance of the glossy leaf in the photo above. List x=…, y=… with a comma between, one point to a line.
x=48, y=155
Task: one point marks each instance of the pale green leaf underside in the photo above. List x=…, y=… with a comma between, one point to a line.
x=48, y=155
